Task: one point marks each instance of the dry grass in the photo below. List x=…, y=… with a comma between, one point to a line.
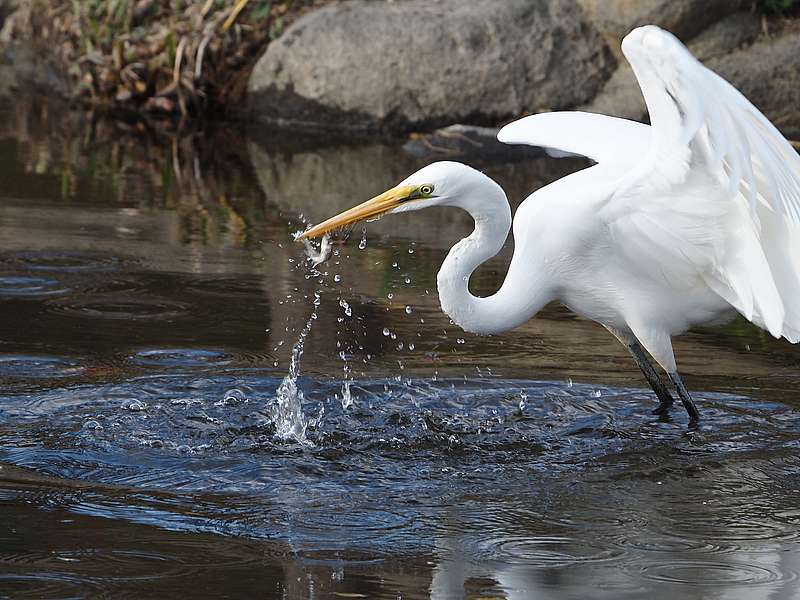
x=171, y=57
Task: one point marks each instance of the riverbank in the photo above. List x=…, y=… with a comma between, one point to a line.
x=363, y=67
x=178, y=59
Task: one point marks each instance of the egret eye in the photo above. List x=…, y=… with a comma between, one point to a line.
x=426, y=190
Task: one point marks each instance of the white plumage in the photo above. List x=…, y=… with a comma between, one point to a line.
x=680, y=222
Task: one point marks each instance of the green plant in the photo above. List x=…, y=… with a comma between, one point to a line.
x=778, y=6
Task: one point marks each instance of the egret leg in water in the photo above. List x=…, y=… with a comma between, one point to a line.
x=640, y=358
x=688, y=403
x=681, y=222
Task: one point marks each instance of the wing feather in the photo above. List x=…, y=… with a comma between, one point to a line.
x=715, y=157
x=709, y=193
x=608, y=140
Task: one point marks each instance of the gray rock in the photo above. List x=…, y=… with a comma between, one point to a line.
x=684, y=18
x=620, y=97
x=767, y=72
x=467, y=142
x=424, y=63
x=726, y=35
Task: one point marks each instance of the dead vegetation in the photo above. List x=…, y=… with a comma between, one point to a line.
x=166, y=57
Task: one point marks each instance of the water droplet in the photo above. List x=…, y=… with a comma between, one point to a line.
x=407, y=280
x=346, y=307
x=569, y=382
x=461, y=341
x=386, y=331
x=232, y=397
x=411, y=251
x=408, y=310
x=596, y=394
x=363, y=243
x=347, y=397
x=390, y=295
x=337, y=278
x=523, y=400
x=411, y=346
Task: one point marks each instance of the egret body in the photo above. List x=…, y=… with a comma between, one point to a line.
x=682, y=222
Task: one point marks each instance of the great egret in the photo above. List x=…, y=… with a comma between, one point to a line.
x=681, y=222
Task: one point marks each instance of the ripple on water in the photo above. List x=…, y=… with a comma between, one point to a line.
x=121, y=308
x=706, y=573
x=24, y=366
x=361, y=519
x=546, y=551
x=118, y=286
x=21, y=285
x=44, y=586
x=65, y=261
x=181, y=357
x=227, y=287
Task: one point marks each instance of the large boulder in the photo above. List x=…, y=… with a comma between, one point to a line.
x=424, y=63
x=684, y=18
x=766, y=71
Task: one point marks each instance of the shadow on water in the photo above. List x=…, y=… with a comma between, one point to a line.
x=151, y=297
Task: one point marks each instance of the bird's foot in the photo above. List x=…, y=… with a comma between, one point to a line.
x=662, y=408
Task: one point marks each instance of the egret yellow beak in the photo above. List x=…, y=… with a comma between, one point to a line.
x=375, y=207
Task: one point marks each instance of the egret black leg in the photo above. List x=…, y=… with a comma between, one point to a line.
x=664, y=397
x=688, y=403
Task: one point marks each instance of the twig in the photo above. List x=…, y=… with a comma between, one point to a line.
x=201, y=49
x=206, y=7
x=234, y=13
x=176, y=73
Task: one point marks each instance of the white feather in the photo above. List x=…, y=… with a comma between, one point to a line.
x=710, y=191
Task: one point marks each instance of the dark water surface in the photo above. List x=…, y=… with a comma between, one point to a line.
x=152, y=446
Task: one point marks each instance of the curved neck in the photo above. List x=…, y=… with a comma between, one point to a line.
x=522, y=294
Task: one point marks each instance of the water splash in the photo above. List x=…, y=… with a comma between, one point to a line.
x=347, y=375
x=347, y=396
x=286, y=411
x=363, y=242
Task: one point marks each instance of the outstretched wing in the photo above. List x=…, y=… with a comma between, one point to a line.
x=699, y=118
x=609, y=140
x=717, y=195
x=709, y=192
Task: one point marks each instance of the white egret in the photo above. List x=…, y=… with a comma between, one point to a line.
x=682, y=222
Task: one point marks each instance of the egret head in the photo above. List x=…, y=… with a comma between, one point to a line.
x=438, y=184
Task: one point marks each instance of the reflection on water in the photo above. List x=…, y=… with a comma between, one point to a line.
x=153, y=304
